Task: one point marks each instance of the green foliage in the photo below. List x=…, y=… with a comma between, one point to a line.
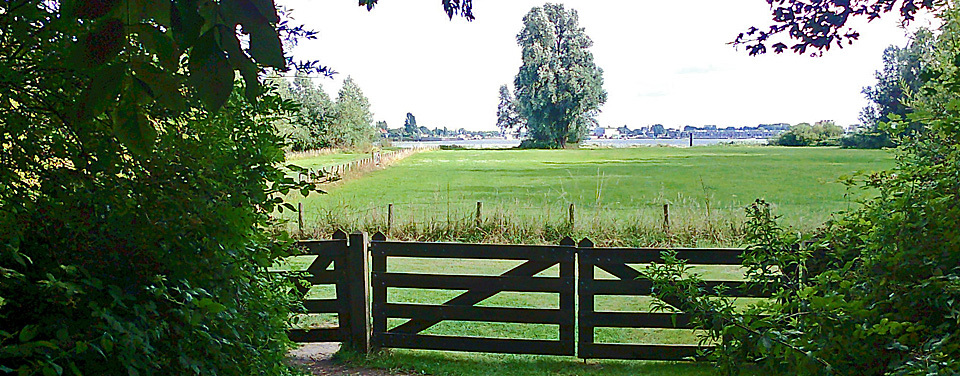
x=353, y=126
x=136, y=183
x=900, y=79
x=310, y=126
x=822, y=133
x=410, y=128
x=321, y=123
x=559, y=89
x=877, y=291
x=507, y=116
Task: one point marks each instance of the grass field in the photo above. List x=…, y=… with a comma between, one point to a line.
x=614, y=190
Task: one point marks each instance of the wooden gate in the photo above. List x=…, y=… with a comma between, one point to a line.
x=348, y=257
x=521, y=278
x=584, y=273
x=628, y=281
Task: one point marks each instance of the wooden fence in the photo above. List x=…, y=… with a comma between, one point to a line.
x=363, y=317
x=375, y=160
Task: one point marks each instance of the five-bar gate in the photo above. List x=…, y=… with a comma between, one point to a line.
x=363, y=278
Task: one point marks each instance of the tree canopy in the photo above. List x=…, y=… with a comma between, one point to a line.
x=820, y=25
x=875, y=291
x=559, y=89
x=137, y=181
x=507, y=116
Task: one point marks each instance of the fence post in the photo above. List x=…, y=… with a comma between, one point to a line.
x=300, y=216
x=572, y=217
x=357, y=272
x=666, y=218
x=389, y=217
x=479, y=213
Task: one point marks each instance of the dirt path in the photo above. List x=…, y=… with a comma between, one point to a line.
x=316, y=357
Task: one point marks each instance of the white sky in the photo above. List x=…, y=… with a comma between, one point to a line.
x=664, y=62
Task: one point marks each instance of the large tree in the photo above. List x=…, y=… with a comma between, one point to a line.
x=353, y=123
x=137, y=180
x=900, y=79
x=559, y=89
x=310, y=126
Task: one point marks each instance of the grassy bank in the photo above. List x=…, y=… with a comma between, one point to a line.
x=618, y=193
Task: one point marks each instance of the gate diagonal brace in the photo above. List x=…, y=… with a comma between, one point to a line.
x=474, y=296
x=627, y=273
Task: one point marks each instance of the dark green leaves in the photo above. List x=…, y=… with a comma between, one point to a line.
x=210, y=72
x=133, y=129
x=265, y=44
x=164, y=87
x=89, y=9
x=100, y=46
x=101, y=91
x=159, y=43
x=258, y=19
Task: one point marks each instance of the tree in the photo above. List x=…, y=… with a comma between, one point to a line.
x=507, y=116
x=137, y=183
x=658, y=130
x=353, y=124
x=875, y=291
x=559, y=89
x=410, y=125
x=900, y=79
x=818, y=25
x=311, y=124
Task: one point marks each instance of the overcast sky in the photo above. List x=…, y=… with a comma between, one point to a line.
x=664, y=62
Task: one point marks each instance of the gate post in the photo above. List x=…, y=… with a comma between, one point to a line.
x=357, y=274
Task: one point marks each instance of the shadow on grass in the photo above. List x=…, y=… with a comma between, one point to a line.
x=439, y=363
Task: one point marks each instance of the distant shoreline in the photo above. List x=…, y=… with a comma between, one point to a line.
x=617, y=143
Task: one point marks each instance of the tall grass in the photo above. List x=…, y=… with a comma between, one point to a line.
x=690, y=225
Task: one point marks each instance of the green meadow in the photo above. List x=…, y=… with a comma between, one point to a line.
x=526, y=194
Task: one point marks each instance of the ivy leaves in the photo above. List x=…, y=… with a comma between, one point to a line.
x=146, y=60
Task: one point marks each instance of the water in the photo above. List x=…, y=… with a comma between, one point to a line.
x=616, y=143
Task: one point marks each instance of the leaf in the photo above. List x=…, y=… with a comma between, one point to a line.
x=28, y=333
x=240, y=61
x=211, y=306
x=164, y=86
x=265, y=44
x=157, y=11
x=210, y=73
x=87, y=8
x=267, y=9
x=101, y=91
x=100, y=46
x=186, y=22
x=159, y=43
x=133, y=130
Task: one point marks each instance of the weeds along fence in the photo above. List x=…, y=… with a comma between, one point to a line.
x=343, y=170
x=520, y=299
x=684, y=224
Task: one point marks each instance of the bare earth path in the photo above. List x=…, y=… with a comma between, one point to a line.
x=316, y=357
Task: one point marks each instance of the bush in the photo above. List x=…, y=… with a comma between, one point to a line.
x=803, y=134
x=867, y=140
x=148, y=264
